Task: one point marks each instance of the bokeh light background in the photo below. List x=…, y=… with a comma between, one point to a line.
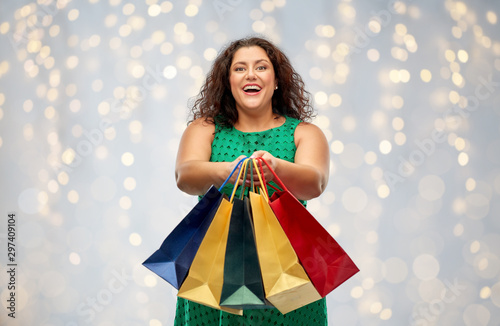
x=93, y=101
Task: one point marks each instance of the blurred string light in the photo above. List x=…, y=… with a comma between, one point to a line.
x=96, y=197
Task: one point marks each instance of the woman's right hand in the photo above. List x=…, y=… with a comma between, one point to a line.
x=230, y=168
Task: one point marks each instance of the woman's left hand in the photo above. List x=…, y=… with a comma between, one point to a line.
x=271, y=160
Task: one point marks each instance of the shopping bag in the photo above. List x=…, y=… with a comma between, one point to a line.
x=173, y=259
x=286, y=284
x=203, y=283
x=243, y=287
x=324, y=260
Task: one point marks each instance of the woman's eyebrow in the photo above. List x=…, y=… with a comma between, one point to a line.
x=244, y=62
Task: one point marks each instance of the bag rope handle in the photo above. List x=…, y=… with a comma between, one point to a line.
x=267, y=184
x=280, y=183
x=262, y=179
x=242, y=168
x=244, y=186
x=232, y=172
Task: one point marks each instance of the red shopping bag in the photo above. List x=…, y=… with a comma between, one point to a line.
x=323, y=259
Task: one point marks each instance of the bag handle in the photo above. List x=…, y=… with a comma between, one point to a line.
x=232, y=172
x=244, y=187
x=252, y=184
x=277, y=179
x=263, y=184
x=242, y=168
x=243, y=165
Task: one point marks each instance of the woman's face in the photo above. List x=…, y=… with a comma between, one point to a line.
x=252, y=79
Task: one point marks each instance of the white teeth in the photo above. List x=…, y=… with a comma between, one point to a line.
x=252, y=87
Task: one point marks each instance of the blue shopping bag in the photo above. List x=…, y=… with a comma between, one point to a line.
x=174, y=257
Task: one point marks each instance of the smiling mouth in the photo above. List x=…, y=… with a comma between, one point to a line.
x=252, y=89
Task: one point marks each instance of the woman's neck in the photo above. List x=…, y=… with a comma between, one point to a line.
x=258, y=122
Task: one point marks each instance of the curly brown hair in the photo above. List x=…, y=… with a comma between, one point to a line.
x=215, y=102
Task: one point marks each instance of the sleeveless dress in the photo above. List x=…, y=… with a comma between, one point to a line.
x=228, y=144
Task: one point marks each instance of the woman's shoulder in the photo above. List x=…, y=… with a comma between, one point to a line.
x=200, y=127
x=202, y=123
x=308, y=129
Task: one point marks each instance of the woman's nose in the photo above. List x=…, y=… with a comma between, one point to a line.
x=250, y=74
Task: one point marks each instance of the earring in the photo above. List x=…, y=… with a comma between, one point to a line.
x=276, y=87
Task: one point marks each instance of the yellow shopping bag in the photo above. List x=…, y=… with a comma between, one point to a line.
x=286, y=284
x=203, y=283
x=205, y=278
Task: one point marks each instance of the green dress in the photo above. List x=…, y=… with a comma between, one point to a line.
x=228, y=144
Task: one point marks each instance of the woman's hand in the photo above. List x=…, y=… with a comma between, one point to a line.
x=271, y=160
x=231, y=167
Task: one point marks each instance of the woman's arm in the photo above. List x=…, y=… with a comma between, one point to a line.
x=194, y=172
x=307, y=177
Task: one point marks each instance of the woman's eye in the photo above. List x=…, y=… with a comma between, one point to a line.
x=261, y=68
x=239, y=69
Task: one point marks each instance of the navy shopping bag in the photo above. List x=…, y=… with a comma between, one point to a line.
x=243, y=287
x=174, y=257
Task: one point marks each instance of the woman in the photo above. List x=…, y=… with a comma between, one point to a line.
x=253, y=103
